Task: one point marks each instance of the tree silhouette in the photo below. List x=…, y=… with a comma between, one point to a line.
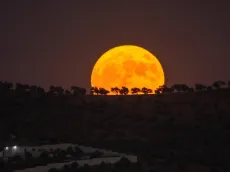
x=5, y=87
x=94, y=90
x=41, y=91
x=146, y=90
x=184, y=88
x=124, y=91
x=177, y=87
x=158, y=91
x=59, y=91
x=218, y=84
x=103, y=91
x=52, y=90
x=135, y=90
x=200, y=87
x=20, y=88
x=115, y=90
x=163, y=89
x=78, y=91
x=55, y=91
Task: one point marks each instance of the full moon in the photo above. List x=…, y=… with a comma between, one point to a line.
x=129, y=66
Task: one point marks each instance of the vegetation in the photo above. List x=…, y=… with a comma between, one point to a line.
x=33, y=90
x=179, y=127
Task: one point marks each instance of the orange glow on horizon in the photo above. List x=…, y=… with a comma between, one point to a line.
x=130, y=66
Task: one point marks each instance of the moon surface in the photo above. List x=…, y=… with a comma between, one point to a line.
x=129, y=66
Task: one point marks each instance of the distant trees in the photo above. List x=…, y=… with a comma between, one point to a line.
x=124, y=91
x=146, y=90
x=200, y=87
x=37, y=91
x=78, y=91
x=115, y=90
x=57, y=91
x=218, y=84
x=94, y=90
x=135, y=90
x=180, y=88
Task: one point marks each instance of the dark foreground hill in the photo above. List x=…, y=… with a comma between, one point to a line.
x=189, y=128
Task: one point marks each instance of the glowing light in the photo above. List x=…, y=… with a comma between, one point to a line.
x=129, y=66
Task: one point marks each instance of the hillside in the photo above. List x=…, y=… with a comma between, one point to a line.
x=182, y=125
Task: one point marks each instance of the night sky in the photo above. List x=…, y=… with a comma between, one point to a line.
x=58, y=42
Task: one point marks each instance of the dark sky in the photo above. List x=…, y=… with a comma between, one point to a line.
x=57, y=42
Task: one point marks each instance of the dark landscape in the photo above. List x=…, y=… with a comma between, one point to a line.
x=179, y=128
x=114, y=86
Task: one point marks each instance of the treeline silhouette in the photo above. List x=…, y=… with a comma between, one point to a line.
x=184, y=128
x=34, y=90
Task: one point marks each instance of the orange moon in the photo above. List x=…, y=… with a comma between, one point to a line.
x=129, y=66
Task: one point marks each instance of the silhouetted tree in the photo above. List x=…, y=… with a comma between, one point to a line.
x=19, y=88
x=184, y=88
x=115, y=90
x=124, y=91
x=218, y=84
x=200, y=87
x=5, y=87
x=146, y=90
x=57, y=91
x=177, y=87
x=135, y=90
x=41, y=91
x=78, y=91
x=51, y=91
x=158, y=91
x=103, y=91
x=164, y=89
x=94, y=90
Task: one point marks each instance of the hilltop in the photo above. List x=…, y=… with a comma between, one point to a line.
x=188, y=126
